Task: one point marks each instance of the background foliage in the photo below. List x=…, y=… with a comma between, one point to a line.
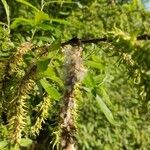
x=115, y=92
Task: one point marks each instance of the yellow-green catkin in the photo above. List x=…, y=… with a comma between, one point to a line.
x=74, y=72
x=17, y=93
x=17, y=64
x=17, y=115
x=42, y=110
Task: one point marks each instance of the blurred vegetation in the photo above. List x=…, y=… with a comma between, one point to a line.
x=114, y=108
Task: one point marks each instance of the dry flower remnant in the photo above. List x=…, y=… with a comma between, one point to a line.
x=74, y=72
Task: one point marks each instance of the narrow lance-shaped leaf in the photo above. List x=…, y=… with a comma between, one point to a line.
x=105, y=96
x=20, y=21
x=50, y=74
x=95, y=65
x=60, y=21
x=27, y=4
x=53, y=92
x=7, y=10
x=105, y=110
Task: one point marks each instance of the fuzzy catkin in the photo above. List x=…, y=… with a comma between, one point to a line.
x=16, y=95
x=42, y=113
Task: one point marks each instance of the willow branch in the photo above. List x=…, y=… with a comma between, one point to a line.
x=76, y=41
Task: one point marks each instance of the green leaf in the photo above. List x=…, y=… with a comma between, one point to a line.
x=95, y=65
x=105, y=110
x=21, y=21
x=99, y=78
x=55, y=45
x=27, y=4
x=40, y=16
x=46, y=27
x=29, y=57
x=89, y=81
x=56, y=79
x=62, y=2
x=42, y=64
x=49, y=72
x=4, y=55
x=105, y=96
x=50, y=90
x=60, y=21
x=43, y=38
x=96, y=58
x=7, y=11
x=3, y=144
x=25, y=142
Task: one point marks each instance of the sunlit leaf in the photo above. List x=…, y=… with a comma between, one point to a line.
x=49, y=72
x=40, y=16
x=105, y=110
x=7, y=10
x=42, y=64
x=95, y=65
x=56, y=79
x=46, y=27
x=25, y=142
x=21, y=21
x=60, y=21
x=3, y=144
x=43, y=38
x=55, y=45
x=53, y=92
x=27, y=4
x=99, y=79
x=89, y=81
x=105, y=96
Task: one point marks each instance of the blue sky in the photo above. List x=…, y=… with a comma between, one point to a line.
x=147, y=4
